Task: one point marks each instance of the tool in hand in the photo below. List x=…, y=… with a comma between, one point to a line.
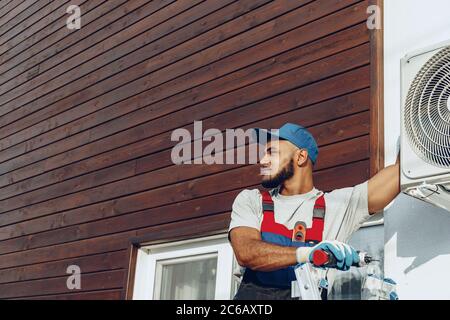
x=322, y=258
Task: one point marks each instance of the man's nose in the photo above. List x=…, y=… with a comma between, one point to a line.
x=265, y=160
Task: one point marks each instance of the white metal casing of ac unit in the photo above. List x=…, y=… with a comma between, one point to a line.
x=419, y=178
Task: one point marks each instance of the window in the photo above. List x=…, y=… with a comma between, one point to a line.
x=197, y=269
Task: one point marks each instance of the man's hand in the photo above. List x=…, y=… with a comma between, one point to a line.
x=384, y=187
x=344, y=254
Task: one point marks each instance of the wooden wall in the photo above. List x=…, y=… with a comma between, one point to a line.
x=86, y=118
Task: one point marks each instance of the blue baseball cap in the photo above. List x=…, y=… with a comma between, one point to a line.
x=295, y=134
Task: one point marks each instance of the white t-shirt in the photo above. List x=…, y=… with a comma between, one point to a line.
x=345, y=211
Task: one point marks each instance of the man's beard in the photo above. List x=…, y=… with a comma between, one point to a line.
x=286, y=173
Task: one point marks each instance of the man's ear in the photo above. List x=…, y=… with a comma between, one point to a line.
x=301, y=157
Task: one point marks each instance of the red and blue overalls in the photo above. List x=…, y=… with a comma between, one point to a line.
x=277, y=284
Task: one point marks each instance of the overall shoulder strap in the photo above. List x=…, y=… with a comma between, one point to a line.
x=319, y=207
x=267, y=202
x=315, y=233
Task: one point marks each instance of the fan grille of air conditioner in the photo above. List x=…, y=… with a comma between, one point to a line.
x=427, y=111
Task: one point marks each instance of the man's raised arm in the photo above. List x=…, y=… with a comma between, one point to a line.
x=384, y=187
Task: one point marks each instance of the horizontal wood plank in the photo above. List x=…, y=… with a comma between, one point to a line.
x=93, y=295
x=88, y=264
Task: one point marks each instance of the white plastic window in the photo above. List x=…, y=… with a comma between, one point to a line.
x=198, y=269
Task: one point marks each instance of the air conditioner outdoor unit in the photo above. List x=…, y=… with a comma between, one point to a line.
x=425, y=117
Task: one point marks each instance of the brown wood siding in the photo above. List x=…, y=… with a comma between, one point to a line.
x=86, y=118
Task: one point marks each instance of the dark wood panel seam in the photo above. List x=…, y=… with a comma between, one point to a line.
x=64, y=295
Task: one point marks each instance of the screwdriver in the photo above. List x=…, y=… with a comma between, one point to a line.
x=322, y=258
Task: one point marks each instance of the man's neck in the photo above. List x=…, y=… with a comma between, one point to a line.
x=291, y=188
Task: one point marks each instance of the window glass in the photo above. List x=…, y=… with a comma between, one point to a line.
x=191, y=280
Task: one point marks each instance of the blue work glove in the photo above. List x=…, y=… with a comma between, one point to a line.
x=344, y=254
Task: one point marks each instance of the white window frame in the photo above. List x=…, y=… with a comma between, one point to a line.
x=181, y=251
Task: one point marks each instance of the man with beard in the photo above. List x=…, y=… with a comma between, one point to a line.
x=263, y=229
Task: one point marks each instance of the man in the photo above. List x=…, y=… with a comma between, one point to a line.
x=264, y=226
